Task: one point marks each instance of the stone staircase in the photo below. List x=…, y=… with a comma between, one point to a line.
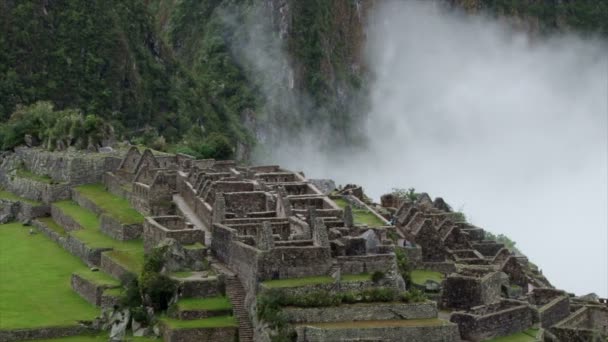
x=236, y=293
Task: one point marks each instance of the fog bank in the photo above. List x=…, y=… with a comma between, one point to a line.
x=509, y=129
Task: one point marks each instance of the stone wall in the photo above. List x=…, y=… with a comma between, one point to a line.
x=441, y=267
x=199, y=334
x=88, y=290
x=293, y=262
x=516, y=317
x=221, y=241
x=460, y=291
x=441, y=333
x=35, y=190
x=554, y=311
x=361, y=312
x=18, y=210
x=43, y=333
x=154, y=232
x=71, y=166
x=113, y=268
x=367, y=263
x=66, y=221
x=334, y=288
x=116, y=185
x=118, y=231
x=196, y=288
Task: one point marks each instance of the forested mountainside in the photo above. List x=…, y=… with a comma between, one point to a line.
x=216, y=75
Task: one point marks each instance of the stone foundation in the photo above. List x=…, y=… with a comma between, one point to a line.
x=88, y=290
x=42, y=333
x=361, y=312
x=118, y=231
x=228, y=334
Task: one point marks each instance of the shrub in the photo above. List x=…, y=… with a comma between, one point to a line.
x=377, y=276
x=140, y=315
x=413, y=296
x=403, y=265
x=132, y=296
x=378, y=295
x=158, y=289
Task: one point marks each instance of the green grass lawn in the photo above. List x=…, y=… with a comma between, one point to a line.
x=98, y=277
x=378, y=324
x=184, y=274
x=35, y=288
x=127, y=253
x=208, y=304
x=421, y=276
x=361, y=216
x=524, y=336
x=115, y=206
x=211, y=322
x=22, y=173
x=86, y=218
x=53, y=225
x=96, y=338
x=11, y=196
x=295, y=282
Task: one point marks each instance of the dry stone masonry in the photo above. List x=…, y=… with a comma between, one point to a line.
x=249, y=232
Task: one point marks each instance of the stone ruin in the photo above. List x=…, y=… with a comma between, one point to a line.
x=245, y=227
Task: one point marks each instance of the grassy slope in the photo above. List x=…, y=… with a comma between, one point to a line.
x=35, y=288
x=127, y=253
x=115, y=206
x=95, y=338
x=361, y=216
x=10, y=196
x=525, y=336
x=212, y=322
x=421, y=276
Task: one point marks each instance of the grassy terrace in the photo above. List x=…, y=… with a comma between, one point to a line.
x=295, y=282
x=127, y=253
x=208, y=304
x=524, y=336
x=12, y=197
x=35, y=288
x=361, y=216
x=95, y=338
x=115, y=206
x=49, y=222
x=98, y=277
x=23, y=173
x=211, y=322
x=419, y=277
x=380, y=324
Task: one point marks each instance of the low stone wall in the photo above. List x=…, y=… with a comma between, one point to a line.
x=113, y=268
x=66, y=221
x=463, y=291
x=292, y=262
x=335, y=288
x=199, y=334
x=196, y=314
x=441, y=333
x=86, y=203
x=495, y=324
x=123, y=232
x=91, y=256
x=554, y=311
x=108, y=301
x=366, y=263
x=361, y=312
x=199, y=288
x=115, y=186
x=43, y=333
x=51, y=234
x=11, y=210
x=35, y=190
x=88, y=290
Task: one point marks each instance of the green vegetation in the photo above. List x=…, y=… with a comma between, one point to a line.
x=97, y=277
x=54, y=129
x=96, y=338
x=355, y=277
x=185, y=274
x=419, y=277
x=409, y=194
x=211, y=322
x=23, y=173
x=12, y=197
x=208, y=304
x=361, y=216
x=49, y=222
x=115, y=206
x=403, y=265
x=127, y=253
x=85, y=218
x=35, y=288
x=501, y=238
x=524, y=336
x=197, y=245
